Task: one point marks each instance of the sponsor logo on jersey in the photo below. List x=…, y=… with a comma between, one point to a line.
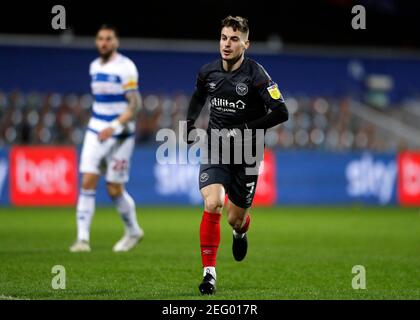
x=241, y=89
x=274, y=92
x=219, y=102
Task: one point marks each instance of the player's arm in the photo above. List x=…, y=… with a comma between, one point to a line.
x=134, y=101
x=273, y=99
x=197, y=103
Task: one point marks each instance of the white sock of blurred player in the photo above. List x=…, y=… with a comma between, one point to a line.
x=133, y=233
x=85, y=211
x=127, y=209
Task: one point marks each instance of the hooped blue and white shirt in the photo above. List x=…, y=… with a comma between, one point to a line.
x=109, y=83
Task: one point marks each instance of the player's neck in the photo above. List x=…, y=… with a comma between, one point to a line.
x=230, y=66
x=109, y=58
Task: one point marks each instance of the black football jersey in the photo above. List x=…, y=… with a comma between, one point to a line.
x=238, y=96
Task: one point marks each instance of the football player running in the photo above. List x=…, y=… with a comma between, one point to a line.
x=243, y=98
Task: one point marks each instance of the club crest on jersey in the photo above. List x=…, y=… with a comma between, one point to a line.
x=212, y=86
x=241, y=89
x=274, y=92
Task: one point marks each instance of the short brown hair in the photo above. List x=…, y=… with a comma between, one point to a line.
x=236, y=23
x=109, y=27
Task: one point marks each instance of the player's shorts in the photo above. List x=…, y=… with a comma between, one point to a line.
x=239, y=185
x=110, y=158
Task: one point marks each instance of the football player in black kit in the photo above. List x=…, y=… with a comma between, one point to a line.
x=242, y=98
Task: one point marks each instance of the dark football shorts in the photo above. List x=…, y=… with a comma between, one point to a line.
x=239, y=185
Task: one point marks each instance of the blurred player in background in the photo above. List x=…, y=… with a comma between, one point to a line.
x=109, y=140
x=241, y=93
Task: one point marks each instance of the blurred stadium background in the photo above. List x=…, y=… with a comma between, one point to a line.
x=354, y=95
x=354, y=98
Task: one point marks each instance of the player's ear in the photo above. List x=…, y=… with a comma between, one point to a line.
x=247, y=44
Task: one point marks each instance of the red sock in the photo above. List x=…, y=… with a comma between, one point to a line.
x=245, y=227
x=209, y=238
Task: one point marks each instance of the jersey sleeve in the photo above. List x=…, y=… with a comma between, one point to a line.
x=198, y=98
x=91, y=68
x=270, y=94
x=130, y=77
x=200, y=84
x=267, y=89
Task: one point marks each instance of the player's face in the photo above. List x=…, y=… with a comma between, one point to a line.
x=106, y=43
x=232, y=44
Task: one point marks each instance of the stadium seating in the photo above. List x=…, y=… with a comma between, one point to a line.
x=316, y=123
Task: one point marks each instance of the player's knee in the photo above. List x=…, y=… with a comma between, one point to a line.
x=114, y=190
x=235, y=221
x=88, y=183
x=213, y=204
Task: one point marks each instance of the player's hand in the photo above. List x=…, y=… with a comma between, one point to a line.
x=233, y=131
x=105, y=134
x=190, y=129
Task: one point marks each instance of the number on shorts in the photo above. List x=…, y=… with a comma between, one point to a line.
x=251, y=185
x=120, y=165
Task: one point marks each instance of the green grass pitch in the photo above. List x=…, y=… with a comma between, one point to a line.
x=294, y=253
